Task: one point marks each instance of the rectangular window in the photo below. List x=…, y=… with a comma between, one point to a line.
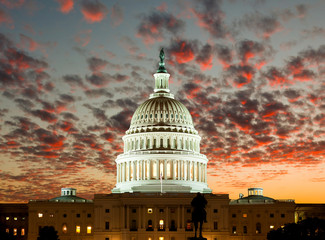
x=51, y=215
x=215, y=225
x=106, y=238
x=234, y=230
x=215, y=210
x=107, y=225
x=161, y=210
x=134, y=210
x=271, y=227
x=22, y=233
x=188, y=210
x=245, y=229
x=15, y=218
x=283, y=215
x=271, y=215
x=107, y=210
x=78, y=215
x=77, y=229
x=88, y=215
x=15, y=231
x=7, y=230
x=88, y=229
x=40, y=215
x=233, y=215
x=244, y=215
x=7, y=218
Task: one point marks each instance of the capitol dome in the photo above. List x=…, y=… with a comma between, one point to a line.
x=161, y=147
x=162, y=113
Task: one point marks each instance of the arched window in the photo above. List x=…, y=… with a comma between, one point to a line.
x=258, y=228
x=161, y=224
x=64, y=228
x=149, y=228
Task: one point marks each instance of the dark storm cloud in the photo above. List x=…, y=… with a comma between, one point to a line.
x=154, y=26
x=263, y=25
x=211, y=17
x=224, y=54
x=96, y=64
x=98, y=113
x=95, y=93
x=44, y=115
x=103, y=79
x=69, y=116
x=73, y=80
x=204, y=57
x=182, y=51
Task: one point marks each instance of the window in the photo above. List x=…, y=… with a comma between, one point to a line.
x=188, y=210
x=7, y=218
x=161, y=238
x=283, y=215
x=271, y=215
x=161, y=224
x=234, y=215
x=258, y=228
x=78, y=229
x=40, y=215
x=88, y=215
x=107, y=225
x=172, y=226
x=234, y=230
x=149, y=210
x=133, y=225
x=215, y=210
x=161, y=210
x=271, y=227
x=15, y=231
x=258, y=215
x=215, y=225
x=15, y=218
x=134, y=210
x=244, y=215
x=189, y=225
x=64, y=215
x=64, y=228
x=88, y=229
x=107, y=210
x=78, y=215
x=106, y=238
x=51, y=215
x=245, y=229
x=7, y=230
x=149, y=225
x=172, y=210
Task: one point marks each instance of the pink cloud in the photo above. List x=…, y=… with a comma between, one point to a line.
x=93, y=11
x=66, y=5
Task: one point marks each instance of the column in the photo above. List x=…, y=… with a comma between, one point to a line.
x=139, y=217
x=178, y=217
x=165, y=169
x=199, y=173
x=174, y=169
x=127, y=217
x=158, y=173
x=167, y=218
x=178, y=169
x=128, y=171
x=123, y=172
x=138, y=171
x=149, y=168
x=206, y=173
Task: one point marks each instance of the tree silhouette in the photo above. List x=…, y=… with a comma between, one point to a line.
x=308, y=229
x=48, y=233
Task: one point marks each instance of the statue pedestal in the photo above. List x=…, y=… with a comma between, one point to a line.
x=198, y=238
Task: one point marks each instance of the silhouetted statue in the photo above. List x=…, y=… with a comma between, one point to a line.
x=199, y=215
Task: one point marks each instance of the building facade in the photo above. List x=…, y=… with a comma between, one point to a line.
x=159, y=173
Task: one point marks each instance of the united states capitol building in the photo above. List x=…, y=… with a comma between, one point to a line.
x=158, y=174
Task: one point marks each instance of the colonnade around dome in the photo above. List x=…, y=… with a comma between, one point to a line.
x=164, y=169
x=170, y=141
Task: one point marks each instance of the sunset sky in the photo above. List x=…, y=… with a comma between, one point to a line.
x=251, y=72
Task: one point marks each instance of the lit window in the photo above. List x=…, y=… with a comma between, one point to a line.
x=51, y=215
x=161, y=224
x=22, y=232
x=7, y=218
x=7, y=230
x=77, y=229
x=161, y=238
x=64, y=228
x=149, y=210
x=89, y=229
x=15, y=231
x=282, y=226
x=234, y=230
x=40, y=215
x=15, y=218
x=149, y=238
x=271, y=227
x=245, y=215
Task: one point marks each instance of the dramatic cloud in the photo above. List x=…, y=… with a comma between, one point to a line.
x=93, y=11
x=66, y=5
x=153, y=27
